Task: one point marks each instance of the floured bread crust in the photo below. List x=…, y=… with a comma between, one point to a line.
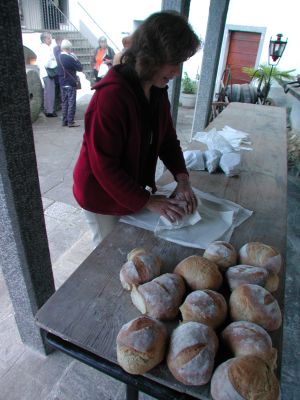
x=191, y=353
x=199, y=273
x=205, y=306
x=141, y=267
x=141, y=345
x=241, y=274
x=222, y=253
x=244, y=338
x=261, y=255
x=255, y=304
x=161, y=297
x=244, y=378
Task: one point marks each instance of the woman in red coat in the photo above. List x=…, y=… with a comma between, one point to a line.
x=128, y=125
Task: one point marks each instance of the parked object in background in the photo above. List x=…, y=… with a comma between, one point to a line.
x=261, y=80
x=294, y=84
x=255, y=92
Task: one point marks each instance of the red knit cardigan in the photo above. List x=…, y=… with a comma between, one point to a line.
x=110, y=175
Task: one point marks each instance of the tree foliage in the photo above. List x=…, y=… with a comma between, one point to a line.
x=189, y=86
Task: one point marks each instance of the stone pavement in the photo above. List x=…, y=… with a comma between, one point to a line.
x=27, y=375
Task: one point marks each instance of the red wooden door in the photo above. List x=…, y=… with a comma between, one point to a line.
x=242, y=52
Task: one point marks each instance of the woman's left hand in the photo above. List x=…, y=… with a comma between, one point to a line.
x=184, y=191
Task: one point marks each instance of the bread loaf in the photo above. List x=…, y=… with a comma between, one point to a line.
x=272, y=282
x=205, y=306
x=136, y=252
x=241, y=274
x=221, y=253
x=191, y=353
x=161, y=297
x=199, y=273
x=141, y=345
x=260, y=255
x=255, y=304
x=141, y=267
x=244, y=378
x=244, y=338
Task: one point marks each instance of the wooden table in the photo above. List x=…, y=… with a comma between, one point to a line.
x=85, y=315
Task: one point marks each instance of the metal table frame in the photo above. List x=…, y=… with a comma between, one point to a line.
x=134, y=383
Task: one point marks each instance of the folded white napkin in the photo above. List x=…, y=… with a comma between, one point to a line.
x=187, y=220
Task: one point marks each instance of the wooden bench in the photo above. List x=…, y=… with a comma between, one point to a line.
x=85, y=315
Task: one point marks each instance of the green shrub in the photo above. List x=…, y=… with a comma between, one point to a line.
x=188, y=85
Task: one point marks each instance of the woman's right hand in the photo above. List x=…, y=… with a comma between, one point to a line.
x=172, y=209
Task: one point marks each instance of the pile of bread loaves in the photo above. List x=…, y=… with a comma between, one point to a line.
x=191, y=293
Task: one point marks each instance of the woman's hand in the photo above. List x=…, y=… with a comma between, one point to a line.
x=185, y=193
x=172, y=209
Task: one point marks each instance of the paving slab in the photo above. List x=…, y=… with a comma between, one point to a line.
x=80, y=382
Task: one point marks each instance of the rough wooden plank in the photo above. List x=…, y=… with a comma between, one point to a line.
x=90, y=308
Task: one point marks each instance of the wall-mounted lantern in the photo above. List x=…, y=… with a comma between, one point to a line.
x=276, y=49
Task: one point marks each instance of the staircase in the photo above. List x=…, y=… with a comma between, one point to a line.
x=80, y=47
x=47, y=17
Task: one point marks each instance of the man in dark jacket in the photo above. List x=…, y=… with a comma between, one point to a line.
x=67, y=67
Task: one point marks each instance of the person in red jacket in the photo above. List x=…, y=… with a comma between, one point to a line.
x=128, y=125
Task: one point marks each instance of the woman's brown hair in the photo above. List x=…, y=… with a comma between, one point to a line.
x=163, y=38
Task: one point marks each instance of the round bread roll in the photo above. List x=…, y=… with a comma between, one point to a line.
x=241, y=274
x=136, y=252
x=205, y=306
x=191, y=353
x=244, y=378
x=261, y=255
x=141, y=345
x=245, y=338
x=161, y=297
x=221, y=253
x=272, y=282
x=141, y=267
x=255, y=304
x=199, y=273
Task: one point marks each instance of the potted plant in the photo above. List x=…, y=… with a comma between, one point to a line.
x=188, y=91
x=263, y=77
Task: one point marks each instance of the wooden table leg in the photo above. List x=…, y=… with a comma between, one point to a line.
x=131, y=393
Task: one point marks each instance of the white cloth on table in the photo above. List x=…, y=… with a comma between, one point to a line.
x=219, y=218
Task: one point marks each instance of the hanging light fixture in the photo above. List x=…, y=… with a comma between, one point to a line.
x=276, y=49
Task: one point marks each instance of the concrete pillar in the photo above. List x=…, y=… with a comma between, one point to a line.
x=183, y=7
x=211, y=54
x=24, y=252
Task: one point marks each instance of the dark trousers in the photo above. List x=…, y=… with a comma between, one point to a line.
x=68, y=104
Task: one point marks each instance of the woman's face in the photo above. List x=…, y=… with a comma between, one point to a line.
x=165, y=74
x=103, y=44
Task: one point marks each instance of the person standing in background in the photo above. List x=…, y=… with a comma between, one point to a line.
x=103, y=56
x=126, y=43
x=46, y=59
x=68, y=65
x=56, y=52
